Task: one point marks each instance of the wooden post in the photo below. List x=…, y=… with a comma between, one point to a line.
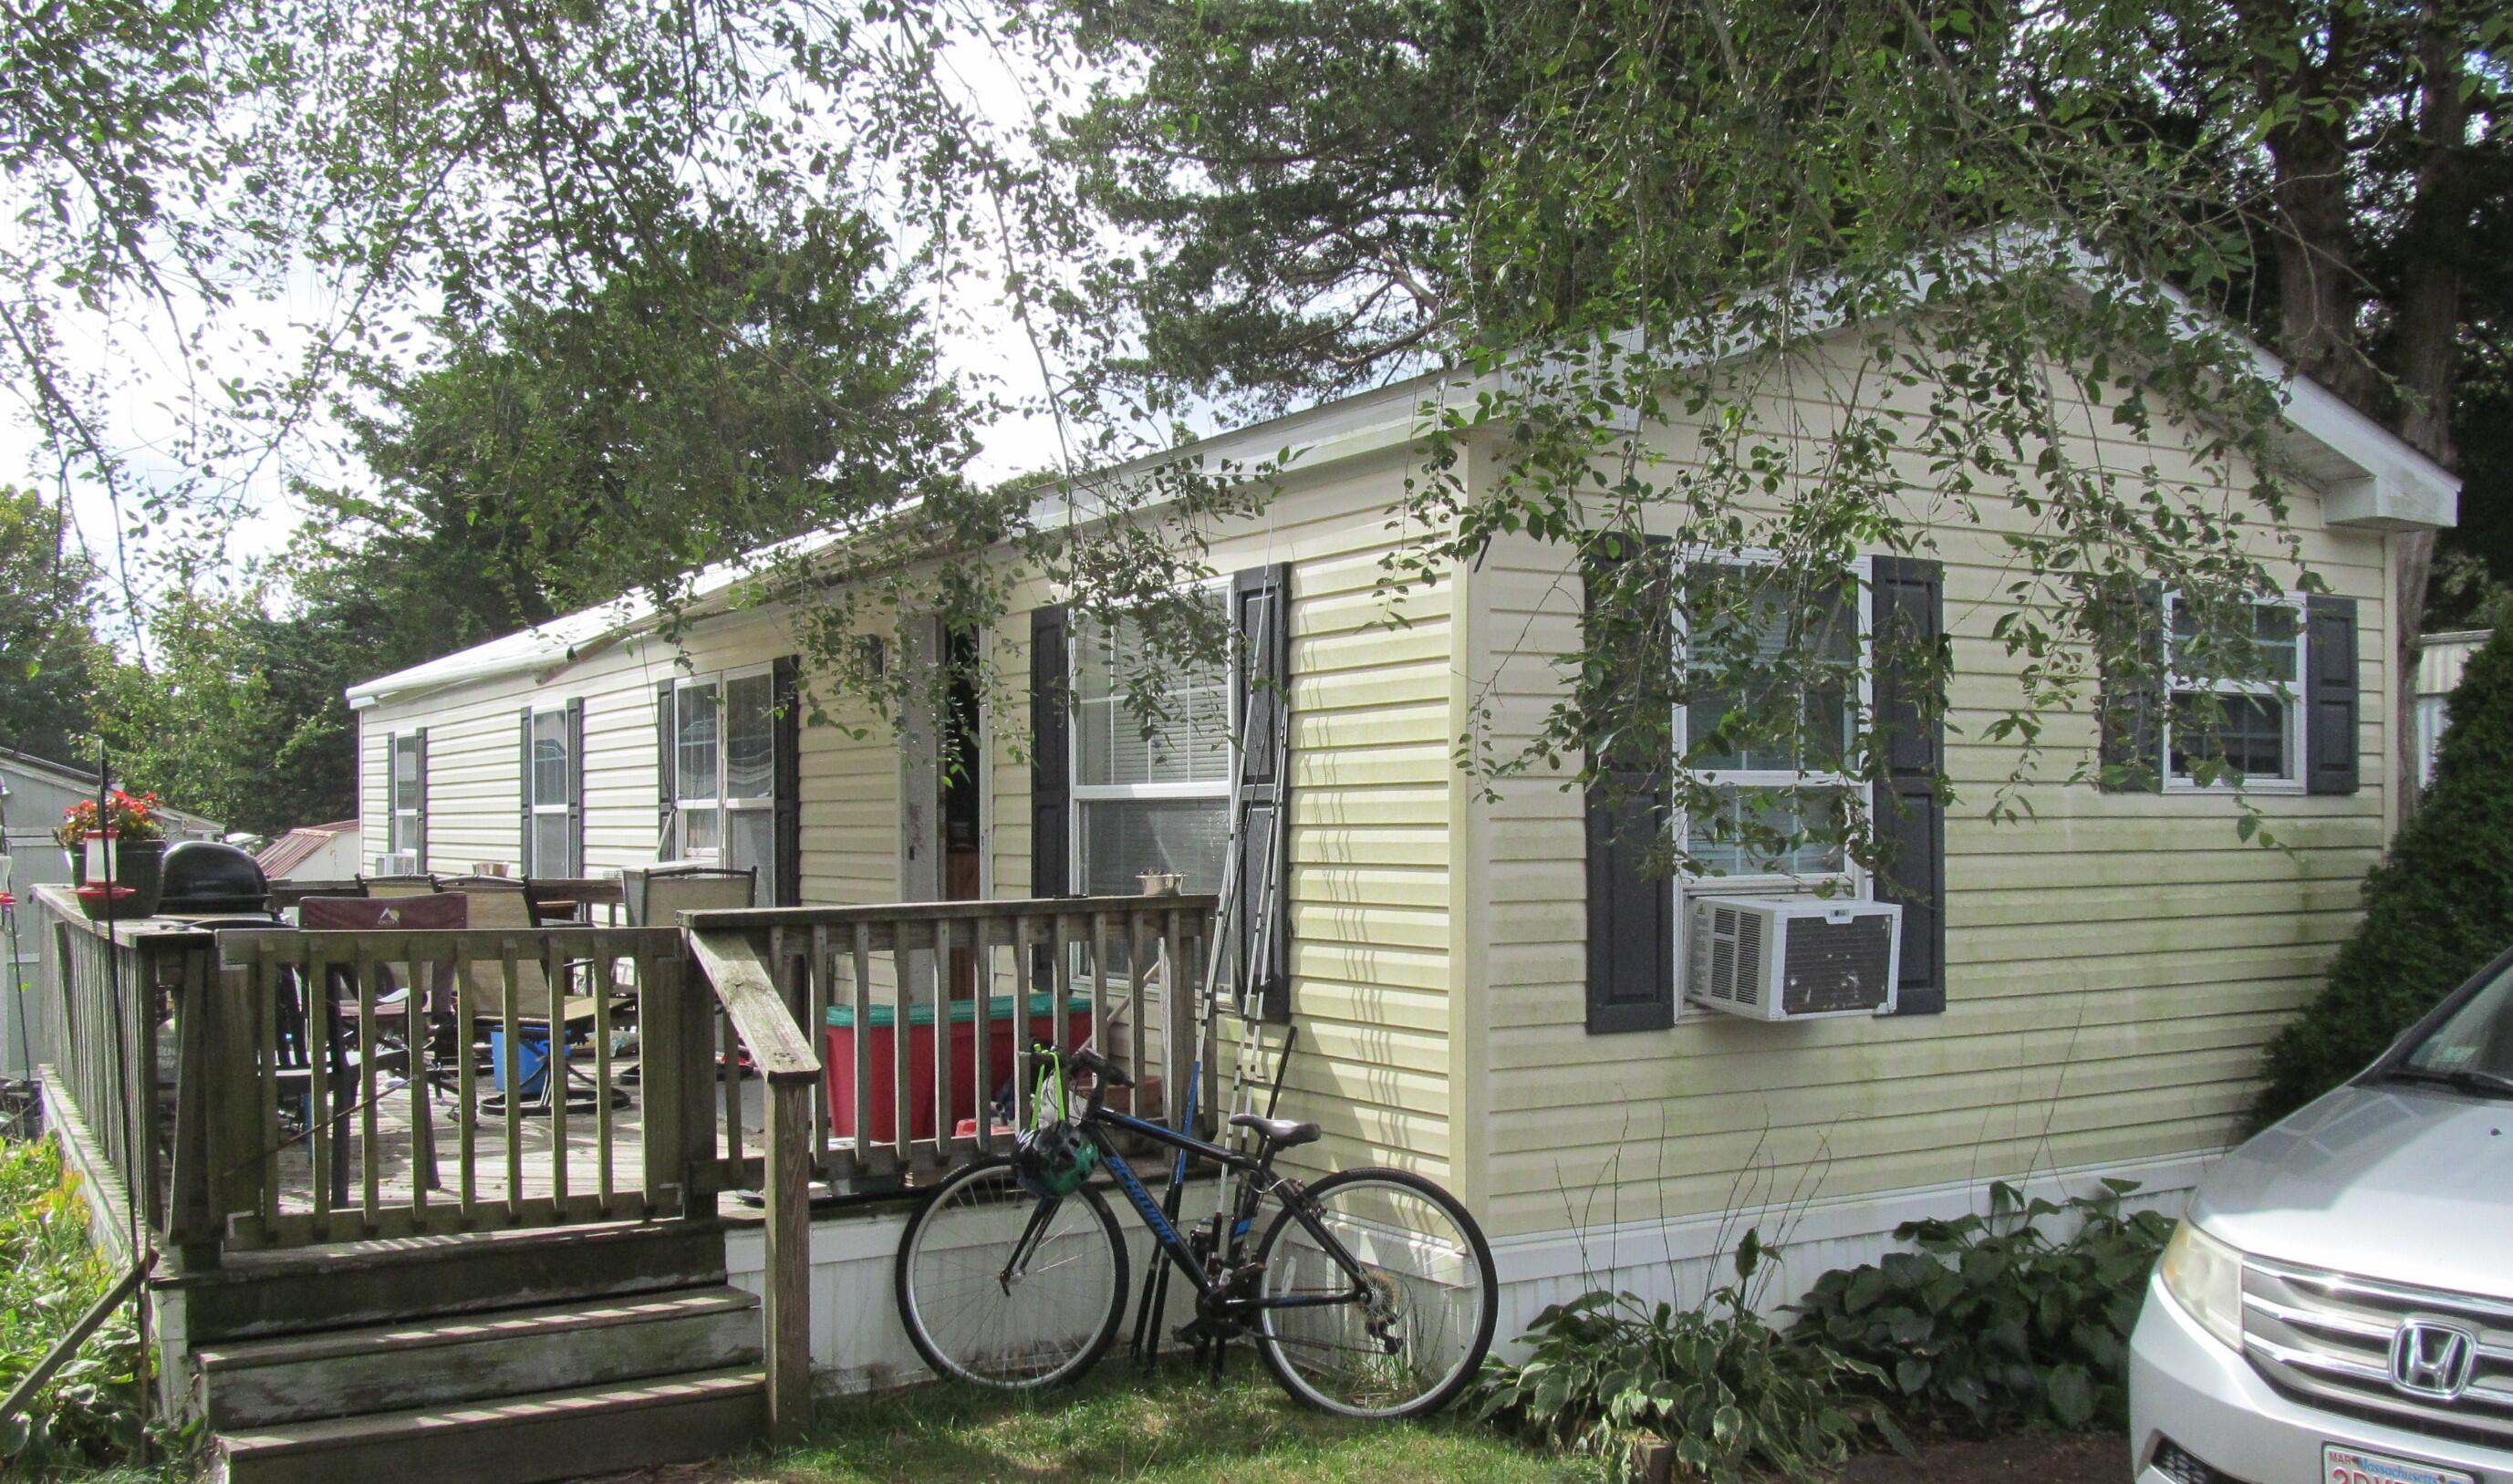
x=788, y=1303
x=192, y=1228
x=759, y=1020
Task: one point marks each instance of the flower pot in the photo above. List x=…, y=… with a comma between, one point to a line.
x=141, y=865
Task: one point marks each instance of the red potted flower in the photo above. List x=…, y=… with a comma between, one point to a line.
x=121, y=844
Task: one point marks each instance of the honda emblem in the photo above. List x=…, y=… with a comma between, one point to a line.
x=2433, y=1358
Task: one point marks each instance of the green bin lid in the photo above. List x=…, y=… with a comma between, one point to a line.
x=999, y=1007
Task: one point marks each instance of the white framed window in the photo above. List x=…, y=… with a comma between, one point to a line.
x=409, y=795
x=1147, y=800
x=1799, y=787
x=724, y=771
x=2223, y=734
x=551, y=794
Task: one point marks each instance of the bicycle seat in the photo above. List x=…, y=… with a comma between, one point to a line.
x=1281, y=1132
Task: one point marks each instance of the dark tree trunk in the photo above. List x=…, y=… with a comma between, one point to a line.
x=2428, y=332
x=2320, y=290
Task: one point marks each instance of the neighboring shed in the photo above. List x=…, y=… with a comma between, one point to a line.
x=2440, y=658
x=1487, y=989
x=33, y=793
x=314, y=853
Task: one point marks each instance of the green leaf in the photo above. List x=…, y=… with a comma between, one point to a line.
x=2071, y=1393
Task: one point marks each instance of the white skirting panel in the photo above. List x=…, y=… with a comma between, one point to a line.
x=1682, y=1258
x=857, y=1344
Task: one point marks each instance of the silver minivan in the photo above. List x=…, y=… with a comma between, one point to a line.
x=2338, y=1305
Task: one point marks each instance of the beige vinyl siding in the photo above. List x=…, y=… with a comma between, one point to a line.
x=375, y=780
x=2114, y=962
x=849, y=787
x=1371, y=801
x=1369, y=851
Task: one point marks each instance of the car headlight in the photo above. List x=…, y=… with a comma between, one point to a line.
x=2205, y=1276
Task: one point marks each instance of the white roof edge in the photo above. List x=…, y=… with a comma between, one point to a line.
x=2368, y=476
x=2369, y=479
x=565, y=640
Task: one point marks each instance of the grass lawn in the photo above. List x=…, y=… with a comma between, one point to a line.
x=1121, y=1424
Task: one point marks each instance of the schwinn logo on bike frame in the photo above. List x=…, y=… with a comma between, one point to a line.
x=1141, y=1198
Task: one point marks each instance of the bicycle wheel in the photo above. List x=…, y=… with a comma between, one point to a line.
x=1048, y=1323
x=1413, y=1340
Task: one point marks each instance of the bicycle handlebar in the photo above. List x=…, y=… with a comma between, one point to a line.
x=1099, y=1066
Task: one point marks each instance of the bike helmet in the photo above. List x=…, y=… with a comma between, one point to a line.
x=1053, y=1159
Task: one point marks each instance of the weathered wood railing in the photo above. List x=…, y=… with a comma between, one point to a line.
x=393, y=1016
x=776, y=967
x=297, y=1076
x=760, y=1030
x=1108, y=962
x=112, y=986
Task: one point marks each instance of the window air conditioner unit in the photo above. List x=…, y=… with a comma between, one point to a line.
x=400, y=863
x=1794, y=959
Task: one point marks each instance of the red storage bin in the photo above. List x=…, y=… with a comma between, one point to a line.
x=883, y=1089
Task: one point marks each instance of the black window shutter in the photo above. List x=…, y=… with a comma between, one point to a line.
x=1910, y=817
x=667, y=786
x=2330, y=699
x=419, y=842
x=1261, y=612
x=2129, y=712
x=523, y=790
x=1051, y=776
x=785, y=685
x=1631, y=914
x=575, y=787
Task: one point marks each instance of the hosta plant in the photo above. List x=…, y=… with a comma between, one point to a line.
x=2019, y=1316
x=1730, y=1394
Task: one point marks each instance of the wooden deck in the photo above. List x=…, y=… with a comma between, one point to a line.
x=243, y=1085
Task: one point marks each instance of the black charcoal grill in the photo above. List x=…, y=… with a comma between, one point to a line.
x=209, y=878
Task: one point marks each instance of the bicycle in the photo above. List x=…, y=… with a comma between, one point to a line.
x=1371, y=1295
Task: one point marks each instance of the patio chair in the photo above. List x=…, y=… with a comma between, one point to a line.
x=396, y=1017
x=499, y=902
x=657, y=895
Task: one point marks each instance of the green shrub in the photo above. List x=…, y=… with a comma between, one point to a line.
x=1716, y=1381
x=2436, y=909
x=88, y=1415
x=1993, y=1322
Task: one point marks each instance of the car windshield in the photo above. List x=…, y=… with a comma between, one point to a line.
x=2477, y=1038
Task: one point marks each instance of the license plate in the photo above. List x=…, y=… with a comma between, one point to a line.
x=2346, y=1466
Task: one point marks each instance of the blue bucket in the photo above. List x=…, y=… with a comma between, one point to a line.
x=532, y=1061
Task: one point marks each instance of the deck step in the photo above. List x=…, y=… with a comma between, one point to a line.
x=350, y=1285
x=444, y=1359
x=517, y=1440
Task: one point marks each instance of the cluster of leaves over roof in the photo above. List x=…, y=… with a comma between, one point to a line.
x=1894, y=269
